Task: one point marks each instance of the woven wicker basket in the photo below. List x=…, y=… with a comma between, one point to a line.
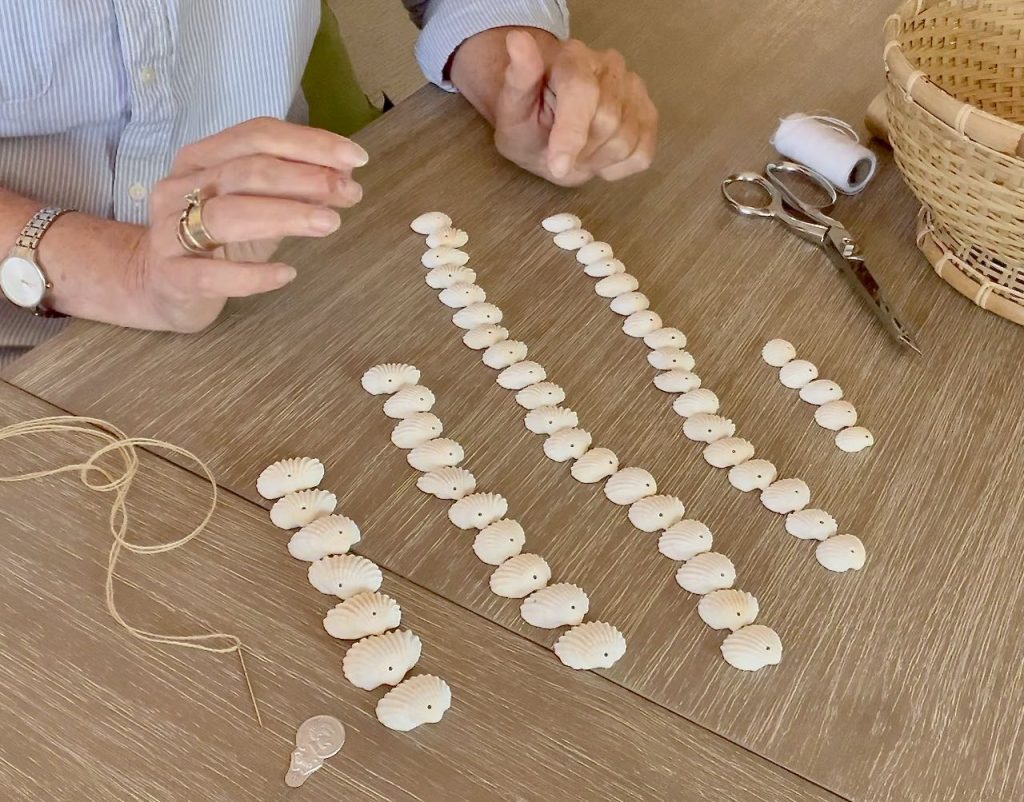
x=956, y=123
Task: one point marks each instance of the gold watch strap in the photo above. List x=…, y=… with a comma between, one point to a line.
x=36, y=227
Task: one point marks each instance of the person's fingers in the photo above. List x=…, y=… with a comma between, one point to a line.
x=520, y=94
x=646, y=117
x=574, y=80
x=612, y=108
x=242, y=218
x=218, y=278
x=620, y=145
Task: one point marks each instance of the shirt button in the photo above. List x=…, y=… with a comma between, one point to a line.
x=147, y=75
x=137, y=192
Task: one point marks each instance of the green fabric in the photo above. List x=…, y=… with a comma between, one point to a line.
x=336, y=101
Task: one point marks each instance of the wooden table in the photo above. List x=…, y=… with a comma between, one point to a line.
x=899, y=682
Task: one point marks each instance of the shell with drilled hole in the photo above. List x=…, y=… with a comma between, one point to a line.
x=667, y=337
x=499, y=541
x=595, y=465
x=548, y=420
x=409, y=401
x=573, y=239
x=332, y=534
x=382, y=659
x=521, y=374
x=501, y=355
x=436, y=454
x=438, y=257
x=752, y=648
x=640, y=324
x=786, y=495
x=594, y=644
x=429, y=222
x=728, y=452
x=416, y=430
x=605, y=267
x=288, y=476
x=706, y=572
x=558, y=223
x=677, y=381
x=797, y=374
x=475, y=315
x=448, y=484
x=450, y=237
x=629, y=303
x=542, y=394
x=700, y=401
x=821, y=391
x=458, y=296
x=567, y=444
x=616, y=284
x=419, y=700
x=778, y=353
x=594, y=252
x=841, y=553
x=485, y=336
x=441, y=277
x=629, y=485
x=656, y=513
x=520, y=576
x=728, y=609
x=685, y=540
x=559, y=605
x=836, y=415
x=345, y=575
x=363, y=615
x=755, y=474
x=477, y=510
x=705, y=428
x=302, y=507
x=811, y=524
x=854, y=439
x=389, y=378
x=671, y=359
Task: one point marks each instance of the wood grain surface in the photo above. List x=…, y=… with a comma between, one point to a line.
x=900, y=682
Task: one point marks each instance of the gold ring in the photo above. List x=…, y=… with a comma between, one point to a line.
x=192, y=232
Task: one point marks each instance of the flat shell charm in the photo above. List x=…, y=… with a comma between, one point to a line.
x=475, y=315
x=382, y=659
x=836, y=415
x=616, y=284
x=419, y=700
x=499, y=541
x=685, y=540
x=548, y=420
x=521, y=374
x=811, y=524
x=704, y=428
x=389, y=378
x=436, y=454
x=477, y=510
x=416, y=430
x=560, y=605
x=728, y=609
x=676, y=381
x=706, y=572
x=841, y=553
x=778, y=353
x=594, y=644
x=345, y=575
x=605, y=267
x=671, y=359
x=594, y=466
x=567, y=444
x=573, y=239
x=438, y=257
x=458, y=296
x=289, y=475
x=409, y=401
x=821, y=391
x=629, y=303
x=332, y=534
x=520, y=576
x=429, y=222
x=665, y=338
x=363, y=615
x=629, y=485
x=301, y=508
x=501, y=355
x=797, y=373
x=558, y=223
x=640, y=324
x=752, y=648
x=483, y=337
x=700, y=401
x=786, y=495
x=728, y=452
x=542, y=394
x=448, y=484
x=656, y=513
x=755, y=474
x=450, y=237
x=854, y=439
x=594, y=252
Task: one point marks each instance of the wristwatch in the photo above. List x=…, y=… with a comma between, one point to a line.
x=22, y=279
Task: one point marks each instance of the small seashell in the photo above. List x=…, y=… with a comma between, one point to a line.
x=567, y=444
x=499, y=541
x=573, y=239
x=836, y=415
x=558, y=223
x=458, y=296
x=436, y=454
x=821, y=391
x=478, y=510
x=289, y=475
x=559, y=605
x=854, y=439
x=520, y=576
x=671, y=359
x=841, y=553
x=363, y=615
x=521, y=374
x=605, y=267
x=542, y=394
x=797, y=373
x=332, y=534
x=616, y=284
x=705, y=428
x=301, y=508
x=811, y=524
x=548, y=420
x=786, y=495
x=755, y=474
x=344, y=575
x=728, y=452
x=416, y=430
x=476, y=315
x=449, y=484
x=676, y=381
x=429, y=222
x=685, y=540
x=700, y=401
x=389, y=378
x=640, y=324
x=656, y=513
x=409, y=401
x=594, y=252
x=629, y=303
x=594, y=644
x=728, y=609
x=500, y=355
x=484, y=336
x=450, y=237
x=706, y=572
x=419, y=700
x=667, y=337
x=629, y=485
x=382, y=659
x=438, y=257
x=595, y=465
x=778, y=352
x=752, y=648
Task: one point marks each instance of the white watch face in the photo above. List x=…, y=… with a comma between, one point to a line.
x=22, y=282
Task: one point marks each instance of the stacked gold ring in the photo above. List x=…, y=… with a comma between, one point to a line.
x=192, y=232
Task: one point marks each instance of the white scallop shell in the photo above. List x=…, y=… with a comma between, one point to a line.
x=797, y=373
x=752, y=648
x=429, y=222
x=705, y=428
x=344, y=575
x=640, y=324
x=836, y=415
x=288, y=475
x=409, y=401
x=597, y=464
x=594, y=252
x=573, y=239
x=363, y=615
x=728, y=609
x=520, y=576
x=567, y=444
x=419, y=700
x=382, y=659
x=667, y=337
x=778, y=352
x=811, y=524
x=671, y=359
x=458, y=296
x=521, y=374
x=451, y=237
x=301, y=508
x=821, y=391
x=449, y=484
x=478, y=510
x=656, y=513
x=841, y=553
x=755, y=474
x=854, y=439
x=786, y=495
x=548, y=420
x=476, y=315
x=728, y=452
x=676, y=381
x=559, y=605
x=706, y=572
x=389, y=378
x=438, y=257
x=543, y=394
x=416, y=430
x=605, y=267
x=685, y=540
x=629, y=303
x=332, y=534
x=499, y=541
x=616, y=284
x=594, y=644
x=629, y=485
x=437, y=454
x=485, y=336
x=558, y=223
x=500, y=355
x=700, y=401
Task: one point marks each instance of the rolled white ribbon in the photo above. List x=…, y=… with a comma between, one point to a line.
x=828, y=146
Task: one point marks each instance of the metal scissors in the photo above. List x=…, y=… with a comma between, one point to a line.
x=811, y=221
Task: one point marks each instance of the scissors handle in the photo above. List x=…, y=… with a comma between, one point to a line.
x=777, y=172
x=770, y=208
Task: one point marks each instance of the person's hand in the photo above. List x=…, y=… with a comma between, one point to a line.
x=263, y=180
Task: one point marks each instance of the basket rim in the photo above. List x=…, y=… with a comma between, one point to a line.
x=976, y=124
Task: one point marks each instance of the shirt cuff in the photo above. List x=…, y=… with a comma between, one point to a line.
x=449, y=23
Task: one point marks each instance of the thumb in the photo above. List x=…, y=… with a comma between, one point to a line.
x=520, y=94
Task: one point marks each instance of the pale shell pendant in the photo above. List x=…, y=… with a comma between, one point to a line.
x=594, y=252
x=811, y=524
x=363, y=615
x=521, y=374
x=450, y=237
x=382, y=659
x=499, y=541
x=419, y=700
x=705, y=428
x=629, y=485
x=671, y=359
x=345, y=575
x=429, y=222
x=478, y=510
x=786, y=495
x=706, y=572
x=667, y=337
x=301, y=508
x=797, y=373
x=501, y=355
x=656, y=513
x=685, y=540
x=728, y=609
x=594, y=466
x=676, y=381
x=389, y=378
x=640, y=324
x=616, y=284
x=854, y=439
x=483, y=337
x=728, y=452
x=436, y=454
x=558, y=223
x=520, y=576
x=332, y=534
x=289, y=475
x=755, y=474
x=605, y=267
x=409, y=401
x=438, y=257
x=542, y=394
x=559, y=605
x=752, y=648
x=549, y=420
x=700, y=401
x=448, y=484
x=458, y=296
x=821, y=391
x=475, y=315
x=573, y=239
x=841, y=553
x=629, y=303
x=567, y=444
x=594, y=644
x=836, y=415
x=778, y=353
x=416, y=430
